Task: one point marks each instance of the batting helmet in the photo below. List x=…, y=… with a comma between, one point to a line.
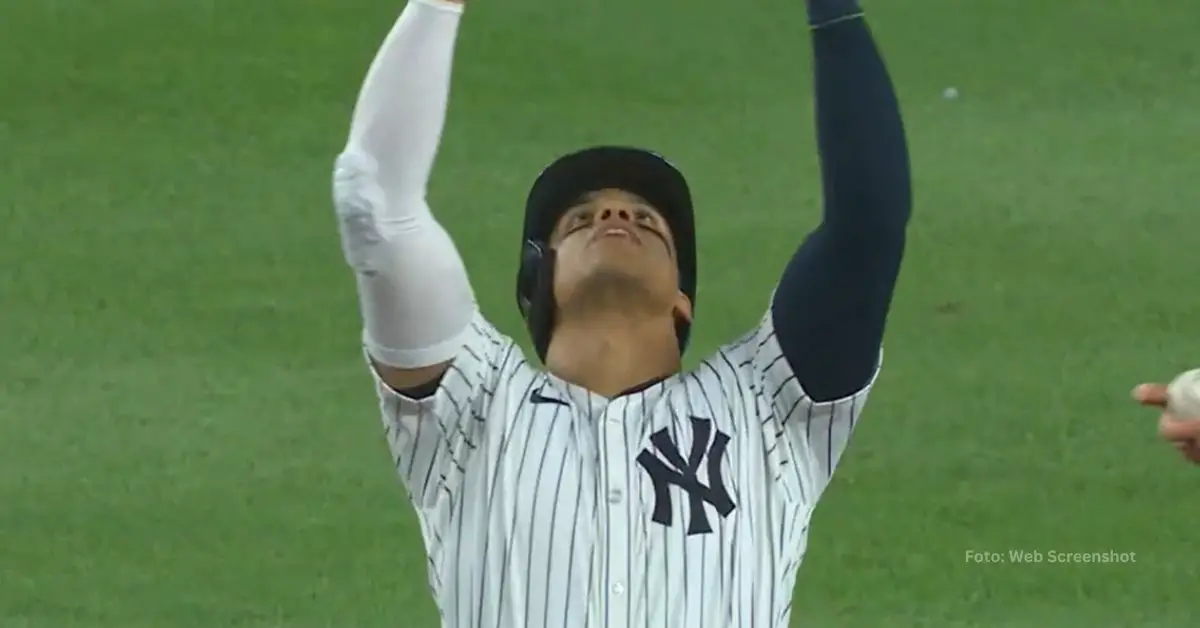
x=633, y=170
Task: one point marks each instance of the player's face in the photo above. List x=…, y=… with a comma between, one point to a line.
x=610, y=236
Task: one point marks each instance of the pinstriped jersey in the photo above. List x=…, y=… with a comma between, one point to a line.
x=685, y=504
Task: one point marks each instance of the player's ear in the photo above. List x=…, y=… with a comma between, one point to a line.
x=683, y=307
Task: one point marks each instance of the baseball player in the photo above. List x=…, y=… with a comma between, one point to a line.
x=1182, y=432
x=607, y=487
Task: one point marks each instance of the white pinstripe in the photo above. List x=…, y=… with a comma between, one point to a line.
x=538, y=515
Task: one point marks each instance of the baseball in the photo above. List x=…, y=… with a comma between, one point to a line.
x=1183, y=395
x=950, y=93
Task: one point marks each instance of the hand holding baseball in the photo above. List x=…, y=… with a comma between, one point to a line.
x=1179, y=423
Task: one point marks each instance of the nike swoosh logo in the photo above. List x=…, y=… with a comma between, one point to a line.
x=537, y=397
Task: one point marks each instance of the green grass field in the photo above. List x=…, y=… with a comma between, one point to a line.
x=187, y=436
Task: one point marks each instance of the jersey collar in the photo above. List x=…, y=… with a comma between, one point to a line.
x=581, y=397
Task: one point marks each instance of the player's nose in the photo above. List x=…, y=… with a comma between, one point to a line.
x=615, y=214
x=616, y=217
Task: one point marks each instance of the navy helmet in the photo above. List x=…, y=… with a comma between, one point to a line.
x=633, y=170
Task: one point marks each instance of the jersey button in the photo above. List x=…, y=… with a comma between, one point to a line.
x=618, y=588
x=614, y=497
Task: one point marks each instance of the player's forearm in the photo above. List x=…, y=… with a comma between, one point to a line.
x=860, y=133
x=401, y=108
x=831, y=306
x=414, y=295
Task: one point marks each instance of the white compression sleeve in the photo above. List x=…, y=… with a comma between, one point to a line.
x=414, y=295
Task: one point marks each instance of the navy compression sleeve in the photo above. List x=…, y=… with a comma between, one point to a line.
x=831, y=304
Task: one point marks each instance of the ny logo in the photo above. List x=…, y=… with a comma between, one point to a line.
x=672, y=469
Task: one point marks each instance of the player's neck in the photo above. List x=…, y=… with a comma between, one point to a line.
x=611, y=354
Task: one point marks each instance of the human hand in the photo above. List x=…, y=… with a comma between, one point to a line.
x=1182, y=432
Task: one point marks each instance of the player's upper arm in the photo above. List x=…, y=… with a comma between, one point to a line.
x=806, y=437
x=414, y=294
x=434, y=434
x=415, y=382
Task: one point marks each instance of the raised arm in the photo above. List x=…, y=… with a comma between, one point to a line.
x=437, y=363
x=415, y=299
x=817, y=351
x=832, y=302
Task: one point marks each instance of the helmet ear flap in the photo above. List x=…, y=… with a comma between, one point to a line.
x=535, y=293
x=532, y=253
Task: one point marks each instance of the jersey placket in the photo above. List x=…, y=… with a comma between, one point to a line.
x=618, y=592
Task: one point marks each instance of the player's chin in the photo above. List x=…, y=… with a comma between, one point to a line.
x=627, y=260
